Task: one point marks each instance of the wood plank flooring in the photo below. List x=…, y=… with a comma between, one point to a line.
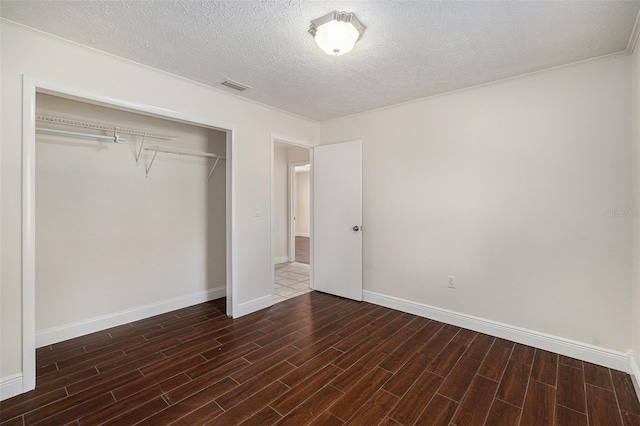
x=313, y=360
x=302, y=249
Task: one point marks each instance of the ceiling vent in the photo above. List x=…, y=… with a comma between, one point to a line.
x=235, y=85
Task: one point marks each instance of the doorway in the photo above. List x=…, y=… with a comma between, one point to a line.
x=291, y=220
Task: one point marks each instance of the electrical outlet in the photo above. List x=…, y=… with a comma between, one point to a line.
x=452, y=281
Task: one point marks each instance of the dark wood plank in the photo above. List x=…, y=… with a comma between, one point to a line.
x=444, y=362
x=400, y=356
x=407, y=375
x=266, y=416
x=10, y=409
x=241, y=412
x=417, y=397
x=259, y=367
x=513, y=386
x=250, y=387
x=359, y=394
x=476, y=404
x=464, y=337
x=523, y=354
x=545, y=366
x=602, y=407
x=351, y=376
x=305, y=389
x=194, y=402
x=437, y=343
x=438, y=412
x=326, y=419
x=629, y=419
x=139, y=413
x=503, y=414
x=571, y=362
x=479, y=347
x=597, y=376
x=309, y=368
x=312, y=407
x=568, y=417
x=538, y=405
x=571, y=388
x=457, y=383
x=495, y=362
x=206, y=380
x=625, y=392
x=373, y=410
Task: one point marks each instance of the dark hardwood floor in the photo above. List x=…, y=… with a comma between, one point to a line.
x=302, y=249
x=317, y=360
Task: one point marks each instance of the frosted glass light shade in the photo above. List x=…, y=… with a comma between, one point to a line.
x=337, y=32
x=337, y=38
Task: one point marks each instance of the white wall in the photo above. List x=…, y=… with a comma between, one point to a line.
x=27, y=52
x=506, y=186
x=303, y=212
x=128, y=240
x=635, y=109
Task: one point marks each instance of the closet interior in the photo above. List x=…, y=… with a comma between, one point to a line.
x=130, y=213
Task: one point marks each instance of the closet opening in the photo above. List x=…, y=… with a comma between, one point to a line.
x=127, y=213
x=130, y=213
x=291, y=213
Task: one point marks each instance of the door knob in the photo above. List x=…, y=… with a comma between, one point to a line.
x=356, y=228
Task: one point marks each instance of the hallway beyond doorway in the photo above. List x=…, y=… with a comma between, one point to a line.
x=302, y=250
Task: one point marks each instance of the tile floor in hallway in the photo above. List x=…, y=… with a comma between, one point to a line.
x=291, y=280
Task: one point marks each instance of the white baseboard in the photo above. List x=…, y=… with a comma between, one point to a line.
x=253, y=306
x=634, y=371
x=10, y=386
x=303, y=234
x=571, y=348
x=281, y=259
x=69, y=331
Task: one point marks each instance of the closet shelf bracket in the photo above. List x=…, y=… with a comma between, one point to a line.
x=140, y=150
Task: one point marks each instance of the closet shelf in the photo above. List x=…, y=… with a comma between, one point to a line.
x=99, y=126
x=168, y=150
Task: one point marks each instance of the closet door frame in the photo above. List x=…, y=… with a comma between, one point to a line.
x=31, y=86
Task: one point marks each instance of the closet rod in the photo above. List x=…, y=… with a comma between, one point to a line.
x=156, y=149
x=115, y=138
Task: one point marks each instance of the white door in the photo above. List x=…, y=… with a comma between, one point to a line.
x=337, y=219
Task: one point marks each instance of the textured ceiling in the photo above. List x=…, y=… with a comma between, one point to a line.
x=410, y=49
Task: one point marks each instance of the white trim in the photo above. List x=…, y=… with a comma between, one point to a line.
x=586, y=352
x=634, y=371
x=303, y=234
x=481, y=85
x=31, y=85
x=10, y=386
x=633, y=38
x=231, y=231
x=254, y=305
x=281, y=259
x=81, y=328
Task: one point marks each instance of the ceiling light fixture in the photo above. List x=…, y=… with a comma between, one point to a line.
x=337, y=32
